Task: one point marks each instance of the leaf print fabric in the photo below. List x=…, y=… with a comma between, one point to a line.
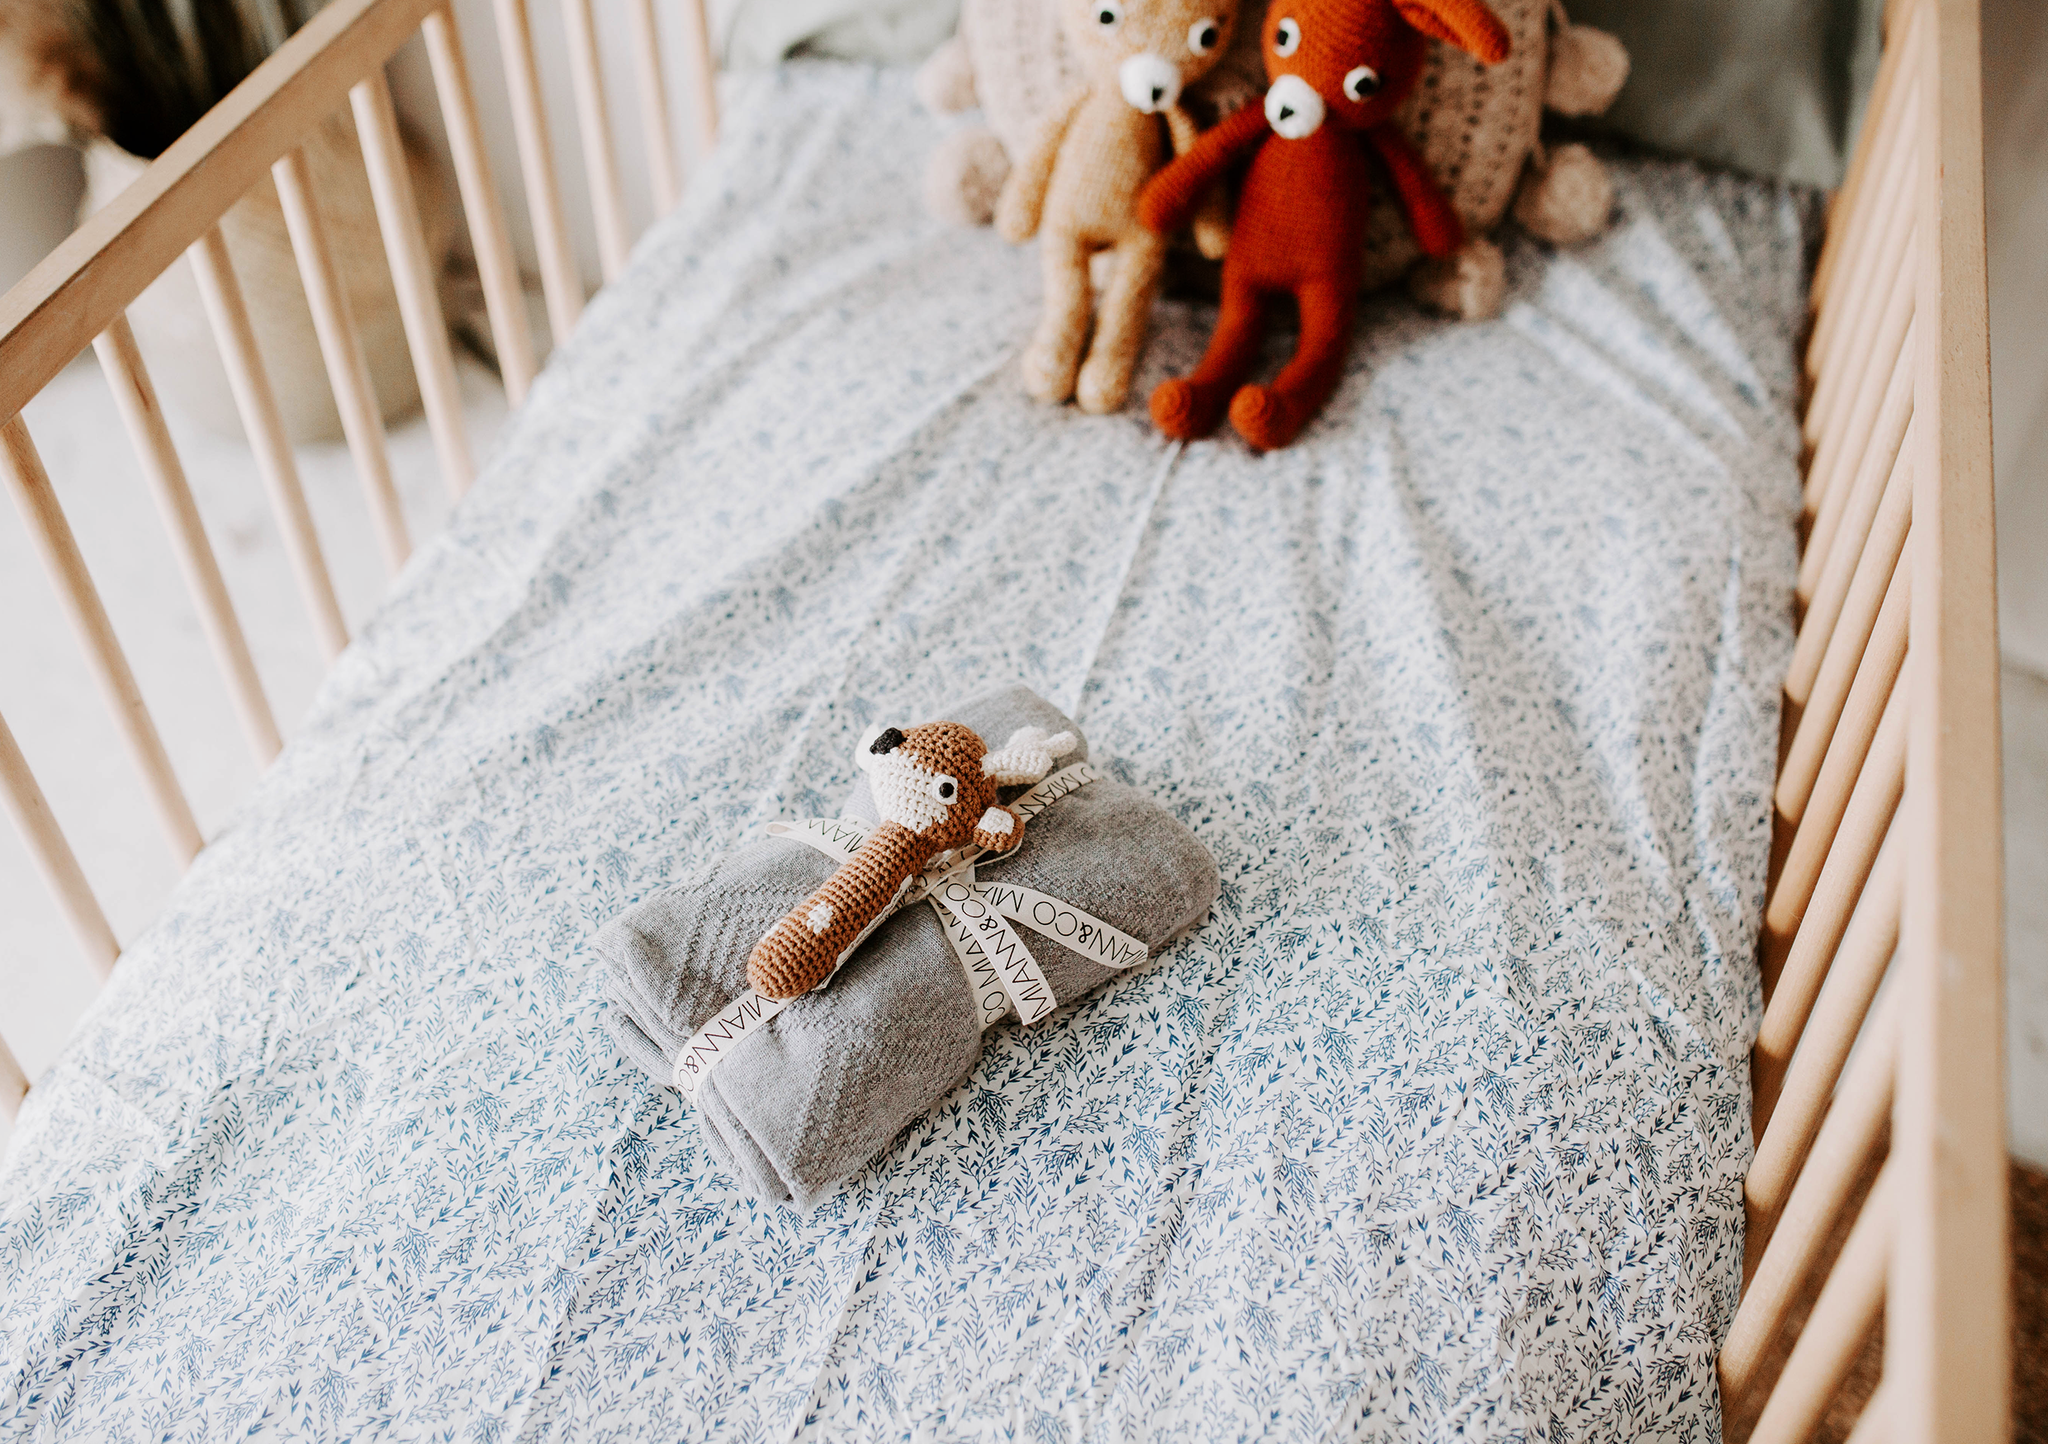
x=1435, y=1129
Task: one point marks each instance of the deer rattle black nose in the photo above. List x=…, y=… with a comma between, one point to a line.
x=889, y=741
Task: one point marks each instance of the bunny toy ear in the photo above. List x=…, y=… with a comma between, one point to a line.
x=1027, y=756
x=1467, y=24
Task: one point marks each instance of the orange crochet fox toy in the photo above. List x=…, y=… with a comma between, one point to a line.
x=1338, y=70
x=936, y=790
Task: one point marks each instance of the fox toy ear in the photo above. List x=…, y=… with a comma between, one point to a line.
x=1027, y=756
x=1467, y=24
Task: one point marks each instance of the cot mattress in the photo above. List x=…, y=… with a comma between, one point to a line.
x=1435, y=1128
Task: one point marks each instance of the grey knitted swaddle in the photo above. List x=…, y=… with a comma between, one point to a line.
x=825, y=1084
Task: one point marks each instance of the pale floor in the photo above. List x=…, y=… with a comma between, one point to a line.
x=49, y=700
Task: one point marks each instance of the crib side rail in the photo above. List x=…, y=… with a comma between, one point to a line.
x=1881, y=1047
x=79, y=296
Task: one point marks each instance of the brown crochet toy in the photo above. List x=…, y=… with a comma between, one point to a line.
x=1076, y=185
x=935, y=790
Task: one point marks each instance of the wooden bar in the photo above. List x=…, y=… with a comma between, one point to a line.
x=1793, y=1070
x=92, y=277
x=412, y=273
x=1860, y=398
x=1837, y=840
x=1786, y=1234
x=1835, y=1332
x=53, y=857
x=229, y=316
x=497, y=268
x=1854, y=685
x=13, y=1084
x=1873, y=1425
x=59, y=551
x=662, y=174
x=1880, y=121
x=1948, y=1335
x=1860, y=284
x=121, y=361
x=558, y=275
x=703, y=73
x=593, y=123
x=1859, y=469
x=348, y=371
x=1847, y=591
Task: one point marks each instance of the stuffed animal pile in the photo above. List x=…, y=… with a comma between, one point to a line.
x=1453, y=137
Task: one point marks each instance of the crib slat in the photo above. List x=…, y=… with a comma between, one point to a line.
x=426, y=333
x=593, y=122
x=46, y=843
x=348, y=371
x=229, y=317
x=1842, y=1319
x=1881, y=106
x=1793, y=1070
x=1859, y=359
x=703, y=73
x=13, y=1084
x=1862, y=664
x=1854, y=287
x=1785, y=1234
x=59, y=550
x=1837, y=839
x=121, y=360
x=496, y=267
x=1874, y=1425
x=1884, y=480
x=655, y=126
x=558, y=274
x=1860, y=463
x=1846, y=359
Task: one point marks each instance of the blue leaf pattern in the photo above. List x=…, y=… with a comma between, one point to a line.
x=1435, y=1128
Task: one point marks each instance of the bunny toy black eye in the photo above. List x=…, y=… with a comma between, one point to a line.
x=943, y=788
x=1107, y=13
x=1362, y=83
x=1286, y=37
x=1204, y=36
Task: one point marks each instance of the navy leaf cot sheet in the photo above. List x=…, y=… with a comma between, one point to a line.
x=1435, y=1129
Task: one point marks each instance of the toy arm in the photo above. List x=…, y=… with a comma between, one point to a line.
x=945, y=82
x=1170, y=197
x=1212, y=217
x=1436, y=225
x=1022, y=201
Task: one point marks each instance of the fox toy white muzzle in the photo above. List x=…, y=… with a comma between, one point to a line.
x=1293, y=108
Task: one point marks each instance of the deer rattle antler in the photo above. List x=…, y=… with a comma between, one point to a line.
x=935, y=788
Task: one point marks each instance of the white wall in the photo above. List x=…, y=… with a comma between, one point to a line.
x=2016, y=182
x=39, y=192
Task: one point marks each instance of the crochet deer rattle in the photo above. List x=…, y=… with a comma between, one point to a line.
x=1338, y=70
x=935, y=789
x=1076, y=186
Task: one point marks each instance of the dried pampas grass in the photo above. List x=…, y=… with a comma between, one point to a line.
x=138, y=72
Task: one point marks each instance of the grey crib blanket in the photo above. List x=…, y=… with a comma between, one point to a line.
x=804, y=1103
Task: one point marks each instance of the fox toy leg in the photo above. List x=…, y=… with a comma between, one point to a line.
x=1054, y=354
x=1191, y=405
x=1120, y=322
x=1269, y=417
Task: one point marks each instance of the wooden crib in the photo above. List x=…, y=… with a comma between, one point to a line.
x=1888, y=836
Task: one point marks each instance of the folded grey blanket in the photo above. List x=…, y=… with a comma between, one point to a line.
x=824, y=1085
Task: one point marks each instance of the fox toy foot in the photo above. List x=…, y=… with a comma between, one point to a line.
x=1266, y=418
x=1186, y=411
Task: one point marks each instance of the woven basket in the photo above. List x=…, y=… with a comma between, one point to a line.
x=170, y=321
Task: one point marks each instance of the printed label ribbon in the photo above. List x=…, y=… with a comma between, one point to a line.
x=1002, y=974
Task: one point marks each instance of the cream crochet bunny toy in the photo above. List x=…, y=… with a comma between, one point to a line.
x=936, y=790
x=1477, y=127
x=1075, y=186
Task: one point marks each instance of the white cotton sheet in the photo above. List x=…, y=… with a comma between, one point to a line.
x=1437, y=1127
